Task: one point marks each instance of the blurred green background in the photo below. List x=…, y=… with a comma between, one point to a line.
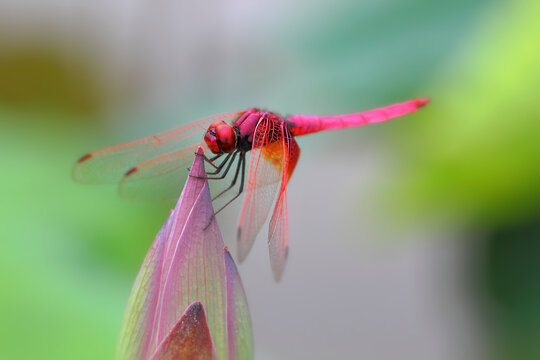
x=464, y=172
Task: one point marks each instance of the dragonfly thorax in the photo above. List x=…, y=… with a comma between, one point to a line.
x=220, y=137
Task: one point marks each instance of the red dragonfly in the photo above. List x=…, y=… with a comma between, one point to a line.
x=154, y=167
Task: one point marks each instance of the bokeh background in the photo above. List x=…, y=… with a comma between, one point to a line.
x=418, y=238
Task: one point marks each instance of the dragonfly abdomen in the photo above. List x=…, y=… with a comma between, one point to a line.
x=305, y=124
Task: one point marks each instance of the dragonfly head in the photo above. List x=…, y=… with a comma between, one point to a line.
x=220, y=137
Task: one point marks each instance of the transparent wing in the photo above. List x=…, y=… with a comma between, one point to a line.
x=265, y=172
x=109, y=165
x=160, y=178
x=278, y=232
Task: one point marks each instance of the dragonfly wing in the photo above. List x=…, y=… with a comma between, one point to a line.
x=278, y=232
x=159, y=178
x=109, y=165
x=265, y=172
x=278, y=236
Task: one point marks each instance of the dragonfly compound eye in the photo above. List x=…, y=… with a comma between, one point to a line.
x=226, y=138
x=211, y=140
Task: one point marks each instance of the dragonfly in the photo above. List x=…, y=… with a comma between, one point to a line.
x=154, y=167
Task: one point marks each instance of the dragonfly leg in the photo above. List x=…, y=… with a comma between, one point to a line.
x=229, y=159
x=220, y=166
x=233, y=182
x=211, y=160
x=241, y=188
x=226, y=171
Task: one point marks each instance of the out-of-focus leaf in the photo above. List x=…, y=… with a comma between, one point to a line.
x=239, y=332
x=189, y=339
x=474, y=152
